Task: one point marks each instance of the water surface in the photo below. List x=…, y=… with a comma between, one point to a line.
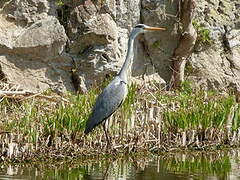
x=184, y=165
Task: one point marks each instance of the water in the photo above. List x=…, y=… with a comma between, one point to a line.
x=181, y=166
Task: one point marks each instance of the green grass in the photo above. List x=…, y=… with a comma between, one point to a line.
x=195, y=112
x=36, y=120
x=59, y=2
x=70, y=118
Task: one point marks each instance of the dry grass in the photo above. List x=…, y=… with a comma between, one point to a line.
x=33, y=126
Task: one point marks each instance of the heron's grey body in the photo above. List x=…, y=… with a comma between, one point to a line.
x=115, y=93
x=107, y=102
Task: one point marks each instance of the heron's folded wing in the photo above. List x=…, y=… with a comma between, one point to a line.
x=107, y=103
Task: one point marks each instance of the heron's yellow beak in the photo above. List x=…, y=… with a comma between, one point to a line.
x=155, y=28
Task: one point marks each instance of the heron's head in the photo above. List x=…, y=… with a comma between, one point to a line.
x=141, y=28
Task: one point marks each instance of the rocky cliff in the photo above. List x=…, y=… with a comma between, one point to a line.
x=74, y=44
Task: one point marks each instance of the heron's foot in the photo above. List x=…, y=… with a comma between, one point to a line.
x=113, y=150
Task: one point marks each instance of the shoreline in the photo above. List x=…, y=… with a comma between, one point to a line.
x=149, y=121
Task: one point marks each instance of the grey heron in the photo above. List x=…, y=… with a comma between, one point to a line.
x=114, y=94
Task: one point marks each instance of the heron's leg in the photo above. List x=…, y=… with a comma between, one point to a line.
x=106, y=134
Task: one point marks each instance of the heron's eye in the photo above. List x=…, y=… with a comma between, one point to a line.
x=139, y=26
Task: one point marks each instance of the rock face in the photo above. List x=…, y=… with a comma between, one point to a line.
x=98, y=34
x=216, y=60
x=161, y=46
x=92, y=41
x=67, y=45
x=31, y=43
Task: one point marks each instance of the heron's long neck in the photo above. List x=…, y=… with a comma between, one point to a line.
x=128, y=61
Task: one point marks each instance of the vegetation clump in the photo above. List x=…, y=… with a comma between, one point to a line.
x=203, y=35
x=149, y=120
